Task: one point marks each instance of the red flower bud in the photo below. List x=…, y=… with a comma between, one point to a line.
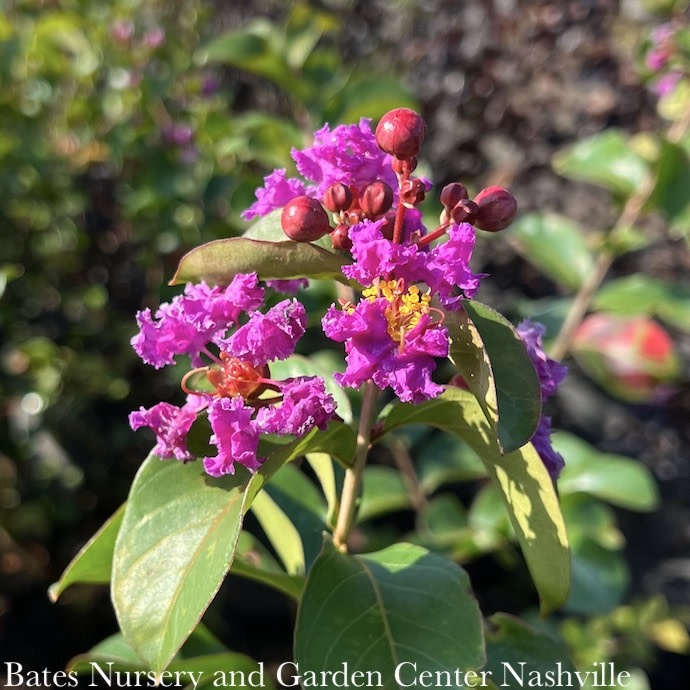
x=497, y=209
x=340, y=238
x=631, y=357
x=338, y=197
x=376, y=198
x=401, y=132
x=465, y=211
x=452, y=193
x=304, y=220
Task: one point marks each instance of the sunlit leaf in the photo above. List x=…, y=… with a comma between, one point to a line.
x=387, y=610
x=605, y=159
x=219, y=261
x=556, y=245
x=522, y=479
x=622, y=481
x=492, y=359
x=93, y=563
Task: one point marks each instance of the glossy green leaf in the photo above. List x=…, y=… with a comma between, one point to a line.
x=254, y=562
x=520, y=656
x=600, y=579
x=304, y=507
x=280, y=531
x=619, y=480
x=605, y=159
x=383, y=492
x=556, y=245
x=175, y=545
x=522, y=479
x=641, y=294
x=219, y=261
x=378, y=611
x=93, y=563
x=492, y=359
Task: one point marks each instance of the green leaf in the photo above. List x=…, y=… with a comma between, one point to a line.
x=257, y=48
x=303, y=506
x=641, y=294
x=521, y=477
x=600, y=579
x=619, y=480
x=175, y=545
x=515, y=650
x=330, y=478
x=403, y=605
x=383, y=492
x=268, y=228
x=219, y=261
x=280, y=531
x=492, y=359
x=254, y=562
x=606, y=160
x=556, y=245
x=93, y=563
x=671, y=194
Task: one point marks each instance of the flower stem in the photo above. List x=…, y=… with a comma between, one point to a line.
x=353, y=475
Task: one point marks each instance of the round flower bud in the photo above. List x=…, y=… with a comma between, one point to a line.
x=497, y=209
x=341, y=240
x=465, y=211
x=338, y=197
x=304, y=220
x=452, y=193
x=400, y=132
x=376, y=198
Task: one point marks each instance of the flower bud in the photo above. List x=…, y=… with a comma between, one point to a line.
x=338, y=197
x=497, y=209
x=376, y=198
x=341, y=240
x=465, y=211
x=630, y=357
x=304, y=220
x=452, y=193
x=412, y=192
x=401, y=132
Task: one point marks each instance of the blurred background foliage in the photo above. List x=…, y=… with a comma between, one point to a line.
x=133, y=131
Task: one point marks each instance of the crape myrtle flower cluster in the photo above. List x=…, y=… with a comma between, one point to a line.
x=357, y=187
x=230, y=343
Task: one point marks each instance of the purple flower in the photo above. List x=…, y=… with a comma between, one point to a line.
x=394, y=350
x=551, y=374
x=305, y=405
x=667, y=84
x=347, y=154
x=275, y=193
x=170, y=424
x=190, y=321
x=270, y=336
x=235, y=435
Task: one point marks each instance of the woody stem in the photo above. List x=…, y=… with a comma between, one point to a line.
x=353, y=475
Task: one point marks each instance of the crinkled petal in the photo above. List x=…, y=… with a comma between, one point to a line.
x=269, y=336
x=305, y=405
x=553, y=461
x=278, y=189
x=236, y=436
x=170, y=424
